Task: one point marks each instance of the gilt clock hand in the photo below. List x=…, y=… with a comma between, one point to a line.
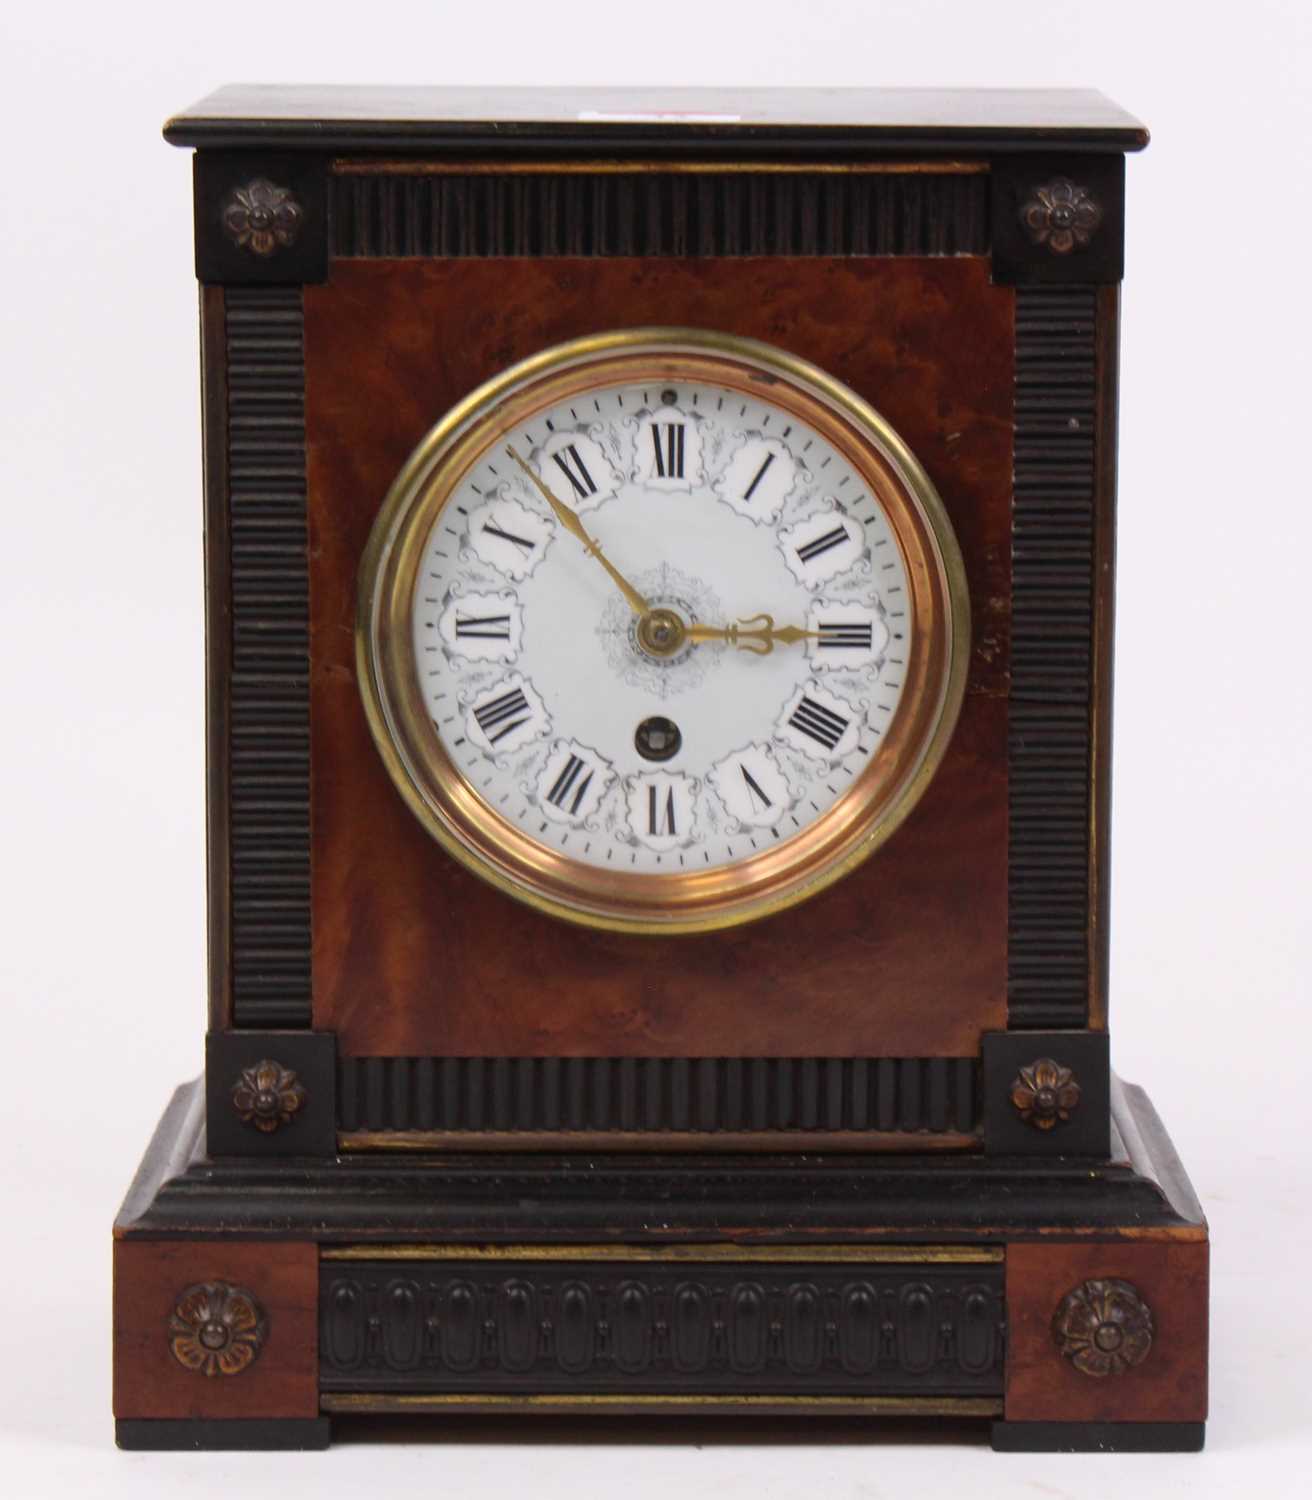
x=761, y=639
x=571, y=523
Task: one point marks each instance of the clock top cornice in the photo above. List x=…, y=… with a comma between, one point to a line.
x=845, y=121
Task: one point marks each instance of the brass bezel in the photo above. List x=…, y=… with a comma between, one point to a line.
x=866, y=814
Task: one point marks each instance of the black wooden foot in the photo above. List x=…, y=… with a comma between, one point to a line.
x=1098, y=1437
x=257, y=1434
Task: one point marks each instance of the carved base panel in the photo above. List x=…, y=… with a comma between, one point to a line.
x=649, y=1327
x=259, y=1300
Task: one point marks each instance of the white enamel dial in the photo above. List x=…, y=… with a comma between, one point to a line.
x=716, y=505
x=662, y=630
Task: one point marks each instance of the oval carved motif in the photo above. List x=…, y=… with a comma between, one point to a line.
x=574, y=1328
x=977, y=1332
x=402, y=1334
x=633, y=1330
x=803, y=1327
x=858, y=1346
x=916, y=1329
x=344, y=1325
x=460, y=1326
x=518, y=1325
x=749, y=1327
x=692, y=1327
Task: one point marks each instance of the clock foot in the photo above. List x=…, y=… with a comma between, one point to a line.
x=1098, y=1437
x=253, y=1433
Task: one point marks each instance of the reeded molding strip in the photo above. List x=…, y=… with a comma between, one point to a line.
x=651, y=1096
x=654, y=210
x=270, y=707
x=1050, y=704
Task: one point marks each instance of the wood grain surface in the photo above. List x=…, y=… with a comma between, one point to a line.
x=1171, y=1383
x=283, y=1379
x=413, y=955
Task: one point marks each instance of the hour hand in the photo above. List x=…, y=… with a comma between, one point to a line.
x=570, y=521
x=757, y=634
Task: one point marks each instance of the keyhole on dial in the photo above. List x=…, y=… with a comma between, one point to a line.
x=658, y=739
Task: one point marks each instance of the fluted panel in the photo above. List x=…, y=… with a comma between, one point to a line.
x=270, y=745
x=651, y=212
x=660, y=1094
x=1052, y=656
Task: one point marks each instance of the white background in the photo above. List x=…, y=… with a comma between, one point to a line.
x=101, y=767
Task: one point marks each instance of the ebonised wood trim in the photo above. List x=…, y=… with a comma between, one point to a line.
x=218, y=652
x=217, y=1435
x=657, y=1094
x=269, y=749
x=1098, y=1437
x=658, y=213
x=596, y=1198
x=690, y=121
x=1050, y=705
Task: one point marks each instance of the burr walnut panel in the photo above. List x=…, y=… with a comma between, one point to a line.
x=414, y=956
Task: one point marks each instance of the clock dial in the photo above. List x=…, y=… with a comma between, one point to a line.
x=656, y=642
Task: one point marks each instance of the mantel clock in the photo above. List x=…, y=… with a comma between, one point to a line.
x=659, y=567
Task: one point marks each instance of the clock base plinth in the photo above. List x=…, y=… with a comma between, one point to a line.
x=1062, y=1300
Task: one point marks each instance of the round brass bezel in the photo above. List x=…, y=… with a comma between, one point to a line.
x=862, y=818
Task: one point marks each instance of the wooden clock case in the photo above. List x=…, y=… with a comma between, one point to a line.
x=866, y=1156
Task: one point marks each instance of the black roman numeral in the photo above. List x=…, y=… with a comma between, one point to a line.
x=821, y=723
x=667, y=440
x=846, y=635
x=576, y=471
x=809, y=551
x=754, y=792
x=494, y=715
x=508, y=536
x=760, y=475
x=483, y=627
x=568, y=781
x=653, y=810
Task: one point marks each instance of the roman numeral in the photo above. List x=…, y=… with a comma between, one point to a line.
x=568, y=781
x=653, y=819
x=821, y=723
x=667, y=440
x=508, y=536
x=809, y=551
x=760, y=475
x=576, y=471
x=494, y=715
x=844, y=634
x=754, y=792
x=483, y=627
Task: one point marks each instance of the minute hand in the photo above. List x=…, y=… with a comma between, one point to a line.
x=571, y=523
x=761, y=636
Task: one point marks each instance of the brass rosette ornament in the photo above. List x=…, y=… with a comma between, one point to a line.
x=1104, y=1328
x=268, y=1096
x=1044, y=1093
x=216, y=1328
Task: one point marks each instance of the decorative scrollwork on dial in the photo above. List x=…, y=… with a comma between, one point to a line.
x=268, y=1096
x=217, y=1328
x=1044, y=1093
x=262, y=217
x=1061, y=215
x=1103, y=1328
